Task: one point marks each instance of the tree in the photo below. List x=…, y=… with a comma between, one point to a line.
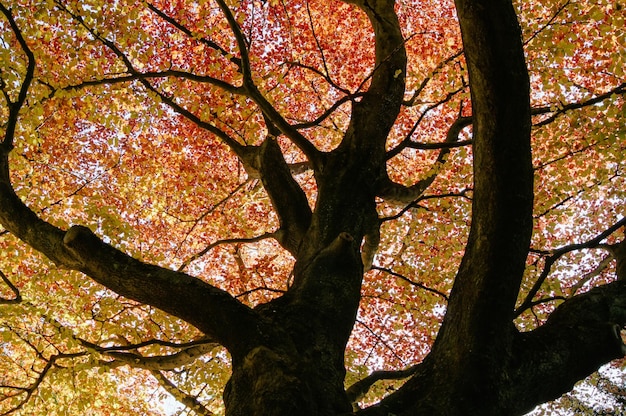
x=296, y=189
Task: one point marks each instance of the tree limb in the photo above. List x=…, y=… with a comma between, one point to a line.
x=359, y=389
x=186, y=399
x=395, y=192
x=15, y=290
x=558, y=253
x=582, y=334
x=253, y=92
x=16, y=106
x=563, y=108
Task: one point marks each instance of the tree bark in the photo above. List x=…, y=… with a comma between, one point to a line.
x=288, y=354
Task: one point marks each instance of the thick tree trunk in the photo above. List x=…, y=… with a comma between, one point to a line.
x=287, y=355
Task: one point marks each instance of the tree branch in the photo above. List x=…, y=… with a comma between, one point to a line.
x=253, y=92
x=359, y=389
x=494, y=260
x=563, y=108
x=395, y=192
x=214, y=244
x=16, y=106
x=186, y=31
x=15, y=290
x=556, y=254
x=582, y=334
x=411, y=282
x=411, y=101
x=186, y=399
x=451, y=137
x=288, y=198
x=373, y=116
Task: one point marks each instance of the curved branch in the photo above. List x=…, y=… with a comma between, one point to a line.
x=392, y=191
x=558, y=253
x=373, y=116
x=220, y=242
x=359, y=389
x=411, y=101
x=563, y=108
x=15, y=290
x=415, y=203
x=582, y=334
x=186, y=31
x=411, y=282
x=325, y=78
x=253, y=92
x=210, y=309
x=451, y=136
x=30, y=390
x=170, y=73
x=242, y=151
x=288, y=198
x=325, y=114
x=186, y=399
x=16, y=106
x=499, y=239
x=160, y=362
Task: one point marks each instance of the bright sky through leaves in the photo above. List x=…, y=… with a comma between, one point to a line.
x=135, y=125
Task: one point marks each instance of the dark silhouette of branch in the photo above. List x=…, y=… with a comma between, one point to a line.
x=411, y=282
x=16, y=106
x=561, y=109
x=411, y=101
x=359, y=389
x=15, y=290
x=222, y=242
x=548, y=23
x=558, y=253
x=207, y=42
x=415, y=203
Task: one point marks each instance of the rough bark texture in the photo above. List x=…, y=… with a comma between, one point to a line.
x=288, y=354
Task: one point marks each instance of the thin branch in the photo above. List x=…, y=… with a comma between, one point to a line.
x=411, y=101
x=451, y=136
x=595, y=272
x=545, y=300
x=235, y=146
x=232, y=143
x=325, y=114
x=15, y=290
x=325, y=78
x=548, y=23
x=221, y=242
x=189, y=401
x=619, y=90
x=558, y=253
x=240, y=39
x=415, y=203
x=411, y=282
x=16, y=106
x=260, y=289
x=317, y=42
x=170, y=73
x=207, y=42
x=30, y=390
x=209, y=211
x=382, y=341
x=253, y=92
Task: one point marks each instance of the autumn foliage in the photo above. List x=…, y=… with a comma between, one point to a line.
x=290, y=185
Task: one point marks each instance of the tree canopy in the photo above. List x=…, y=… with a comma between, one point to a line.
x=364, y=207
